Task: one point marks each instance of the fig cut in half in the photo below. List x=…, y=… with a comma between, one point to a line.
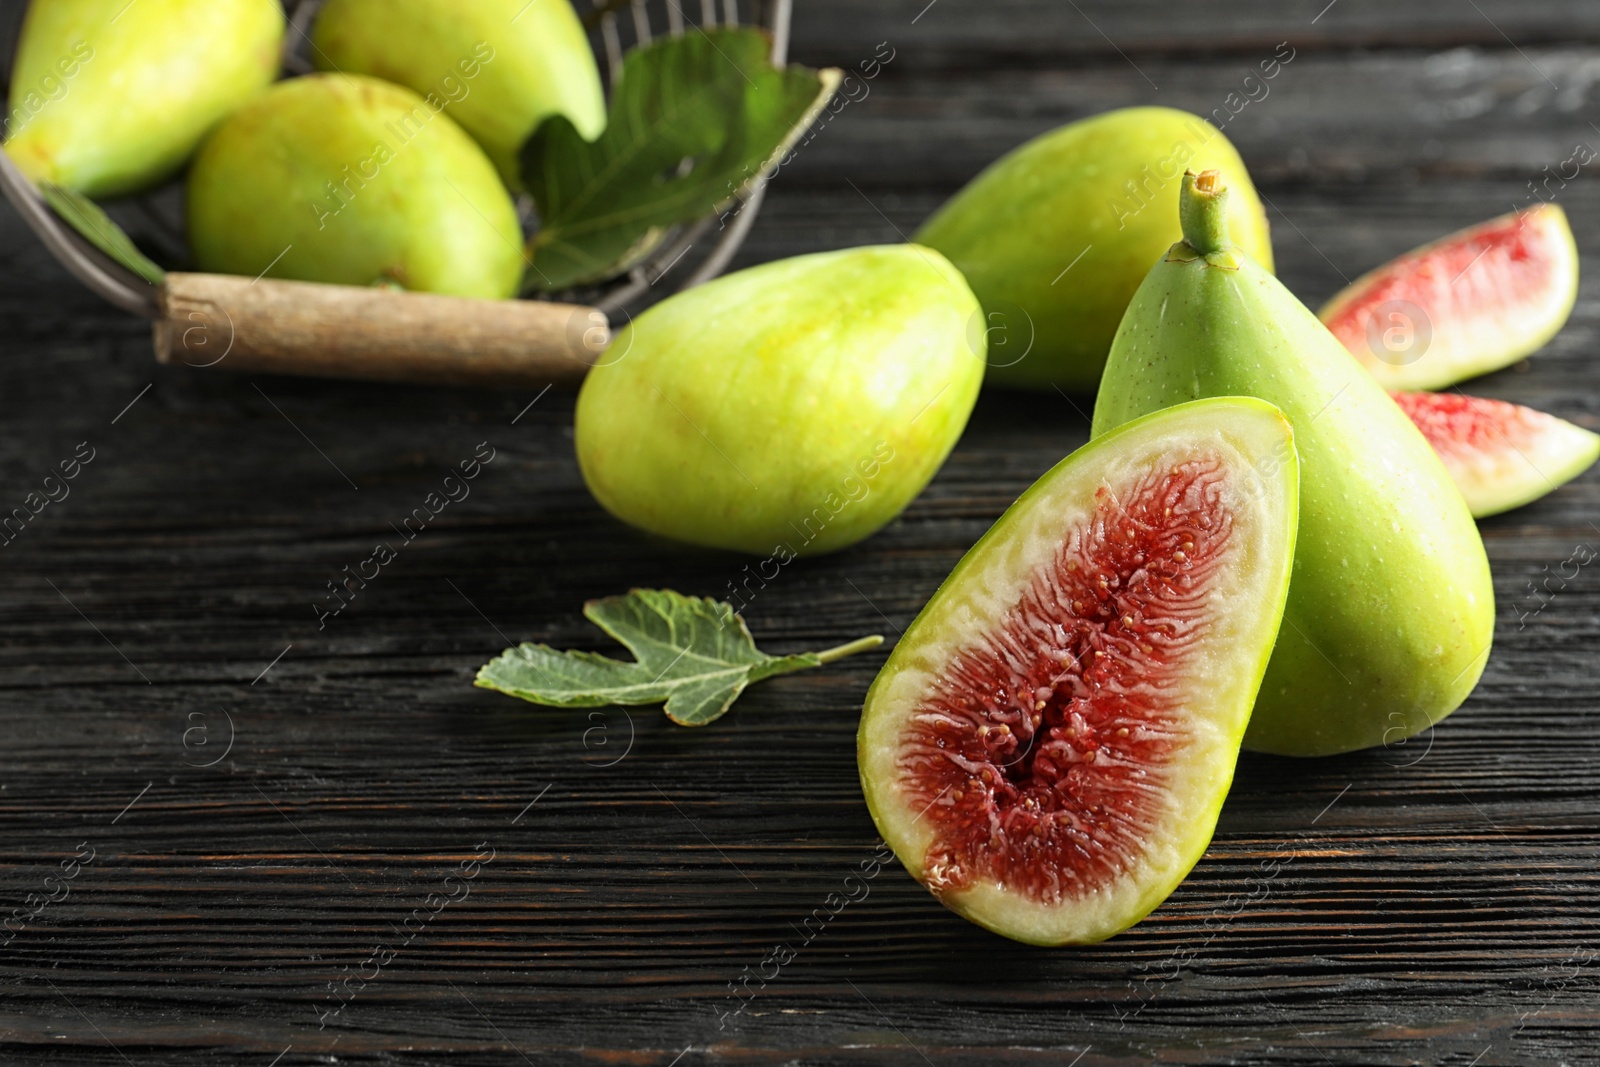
x=1500, y=455
x=1467, y=304
x=1049, y=746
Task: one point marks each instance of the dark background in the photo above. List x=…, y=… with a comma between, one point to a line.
x=1432, y=903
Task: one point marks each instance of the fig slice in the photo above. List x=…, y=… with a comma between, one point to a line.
x=1467, y=304
x=1050, y=743
x=1500, y=455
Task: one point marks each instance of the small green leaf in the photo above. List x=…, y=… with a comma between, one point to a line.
x=694, y=121
x=692, y=652
x=85, y=216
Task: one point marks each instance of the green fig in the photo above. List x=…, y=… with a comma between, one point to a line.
x=109, y=97
x=1050, y=744
x=499, y=67
x=789, y=409
x=1056, y=236
x=1390, y=611
x=351, y=180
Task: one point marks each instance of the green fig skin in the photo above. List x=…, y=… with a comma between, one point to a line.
x=353, y=181
x=109, y=98
x=1056, y=236
x=790, y=409
x=1391, y=612
x=499, y=66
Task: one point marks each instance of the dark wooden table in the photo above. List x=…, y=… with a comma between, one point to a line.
x=265, y=801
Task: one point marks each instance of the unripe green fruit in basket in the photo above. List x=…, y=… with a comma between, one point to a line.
x=789, y=409
x=1057, y=235
x=500, y=66
x=108, y=98
x=1391, y=611
x=351, y=180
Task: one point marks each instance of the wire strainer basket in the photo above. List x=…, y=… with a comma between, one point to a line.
x=337, y=331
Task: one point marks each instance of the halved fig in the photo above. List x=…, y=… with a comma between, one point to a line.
x=1500, y=455
x=1049, y=745
x=1475, y=301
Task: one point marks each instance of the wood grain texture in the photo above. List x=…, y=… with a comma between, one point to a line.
x=966, y=35
x=1436, y=903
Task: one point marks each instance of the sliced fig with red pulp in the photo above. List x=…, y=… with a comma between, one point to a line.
x=1475, y=301
x=1049, y=746
x=1500, y=455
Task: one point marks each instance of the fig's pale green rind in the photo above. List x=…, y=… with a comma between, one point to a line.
x=1220, y=675
x=1056, y=236
x=1391, y=612
x=500, y=67
x=789, y=409
x=1514, y=477
x=353, y=181
x=1466, y=345
x=108, y=98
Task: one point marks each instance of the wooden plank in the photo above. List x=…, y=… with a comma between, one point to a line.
x=1409, y=115
x=1441, y=906
x=984, y=34
x=1433, y=902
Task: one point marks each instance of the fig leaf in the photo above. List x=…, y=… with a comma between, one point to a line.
x=692, y=652
x=694, y=121
x=96, y=227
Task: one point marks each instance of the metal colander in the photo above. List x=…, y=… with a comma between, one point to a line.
x=689, y=252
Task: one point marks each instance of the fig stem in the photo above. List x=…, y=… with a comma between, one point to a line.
x=858, y=645
x=1203, y=211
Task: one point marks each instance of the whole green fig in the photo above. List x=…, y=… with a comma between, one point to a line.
x=109, y=97
x=351, y=180
x=1056, y=236
x=1390, y=610
x=789, y=409
x=499, y=67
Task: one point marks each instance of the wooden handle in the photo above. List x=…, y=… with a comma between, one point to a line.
x=337, y=331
